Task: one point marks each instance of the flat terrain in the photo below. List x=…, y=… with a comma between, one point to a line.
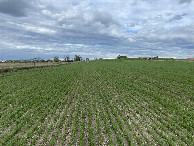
x=13, y=65
x=99, y=103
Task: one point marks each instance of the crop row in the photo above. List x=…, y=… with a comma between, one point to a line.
x=98, y=103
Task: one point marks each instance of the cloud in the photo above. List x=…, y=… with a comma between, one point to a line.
x=88, y=17
x=97, y=29
x=133, y=24
x=103, y=17
x=185, y=1
x=15, y=8
x=90, y=26
x=177, y=17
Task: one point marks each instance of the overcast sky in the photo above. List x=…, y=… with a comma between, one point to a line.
x=96, y=28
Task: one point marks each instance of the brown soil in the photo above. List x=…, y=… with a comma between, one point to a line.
x=13, y=65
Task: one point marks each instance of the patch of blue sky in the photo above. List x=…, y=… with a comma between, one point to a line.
x=132, y=31
x=75, y=3
x=128, y=30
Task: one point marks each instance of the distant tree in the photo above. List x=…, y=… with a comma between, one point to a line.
x=39, y=59
x=48, y=60
x=67, y=58
x=56, y=59
x=121, y=57
x=87, y=59
x=77, y=58
x=16, y=61
x=34, y=60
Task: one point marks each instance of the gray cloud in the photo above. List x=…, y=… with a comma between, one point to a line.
x=15, y=8
x=177, y=17
x=133, y=24
x=185, y=1
x=97, y=30
x=86, y=17
x=104, y=18
x=89, y=26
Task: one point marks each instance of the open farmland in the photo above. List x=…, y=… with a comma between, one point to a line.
x=30, y=64
x=99, y=103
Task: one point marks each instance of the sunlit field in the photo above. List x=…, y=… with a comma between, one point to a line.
x=116, y=102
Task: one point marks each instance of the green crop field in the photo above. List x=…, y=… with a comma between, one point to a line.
x=117, y=102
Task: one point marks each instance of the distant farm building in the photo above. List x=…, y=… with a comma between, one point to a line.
x=147, y=58
x=156, y=58
x=191, y=58
x=98, y=58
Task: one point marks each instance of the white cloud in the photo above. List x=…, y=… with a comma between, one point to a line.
x=132, y=27
x=40, y=30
